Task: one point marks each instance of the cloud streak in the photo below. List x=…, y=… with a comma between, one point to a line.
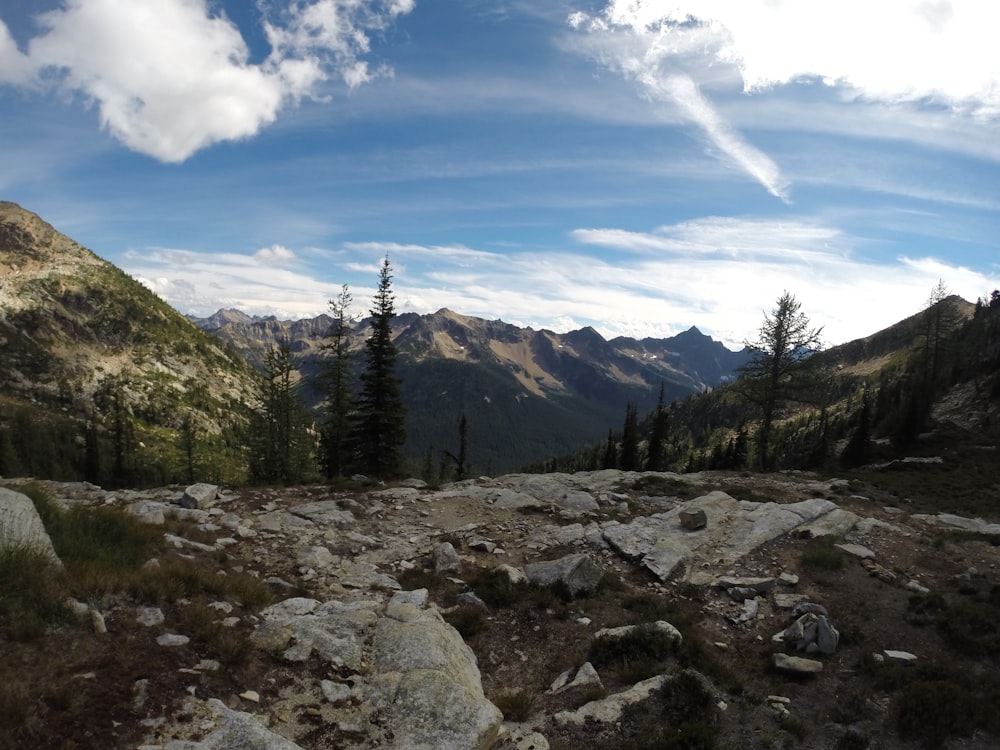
x=655, y=55
x=170, y=77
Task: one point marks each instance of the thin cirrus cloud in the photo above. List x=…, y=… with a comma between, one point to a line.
x=622, y=283
x=169, y=77
x=911, y=52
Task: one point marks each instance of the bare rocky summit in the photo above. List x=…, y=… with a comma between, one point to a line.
x=404, y=617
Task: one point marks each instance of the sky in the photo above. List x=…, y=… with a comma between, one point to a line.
x=636, y=166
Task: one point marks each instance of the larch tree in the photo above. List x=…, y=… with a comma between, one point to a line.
x=335, y=384
x=781, y=368
x=281, y=444
x=378, y=428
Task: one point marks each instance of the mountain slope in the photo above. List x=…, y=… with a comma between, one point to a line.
x=77, y=334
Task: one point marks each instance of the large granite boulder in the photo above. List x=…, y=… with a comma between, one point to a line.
x=21, y=526
x=427, y=685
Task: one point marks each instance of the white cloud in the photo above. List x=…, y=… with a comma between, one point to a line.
x=15, y=66
x=891, y=50
x=276, y=255
x=171, y=77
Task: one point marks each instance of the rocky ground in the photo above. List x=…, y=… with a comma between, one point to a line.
x=785, y=610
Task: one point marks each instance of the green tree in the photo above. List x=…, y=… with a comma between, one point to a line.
x=781, y=368
x=378, y=428
x=656, y=455
x=463, y=443
x=281, y=446
x=629, y=460
x=335, y=383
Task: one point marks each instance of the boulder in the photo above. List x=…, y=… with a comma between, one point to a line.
x=235, y=730
x=21, y=526
x=577, y=572
x=693, y=518
x=200, y=496
x=445, y=558
x=427, y=685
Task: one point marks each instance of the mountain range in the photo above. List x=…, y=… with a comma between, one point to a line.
x=525, y=394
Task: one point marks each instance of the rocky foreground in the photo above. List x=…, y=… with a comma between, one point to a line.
x=362, y=648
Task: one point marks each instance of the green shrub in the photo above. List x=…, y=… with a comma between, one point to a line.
x=496, y=590
x=822, y=555
x=933, y=711
x=635, y=656
x=467, y=619
x=685, y=699
x=516, y=705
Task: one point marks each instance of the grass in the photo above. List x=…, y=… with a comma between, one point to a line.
x=104, y=551
x=822, y=555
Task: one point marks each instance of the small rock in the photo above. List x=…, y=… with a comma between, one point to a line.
x=797, y=664
x=335, y=692
x=150, y=616
x=97, y=621
x=693, y=518
x=250, y=695
x=856, y=550
x=171, y=640
x=903, y=657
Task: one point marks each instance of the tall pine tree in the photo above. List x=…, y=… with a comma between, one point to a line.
x=378, y=430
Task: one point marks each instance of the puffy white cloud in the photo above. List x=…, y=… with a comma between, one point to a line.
x=170, y=77
x=276, y=255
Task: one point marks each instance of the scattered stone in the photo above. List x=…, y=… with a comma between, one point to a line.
x=856, y=550
x=150, y=616
x=788, y=579
x=577, y=572
x=661, y=625
x=609, y=710
x=586, y=677
x=797, y=664
x=171, y=640
x=199, y=496
x=878, y=571
x=902, y=657
x=444, y=558
x=97, y=622
x=335, y=692
x=250, y=695
x=693, y=518
x=916, y=587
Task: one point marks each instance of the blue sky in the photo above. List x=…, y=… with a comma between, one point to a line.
x=640, y=167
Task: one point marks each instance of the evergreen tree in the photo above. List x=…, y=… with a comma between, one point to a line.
x=656, y=456
x=188, y=439
x=610, y=460
x=335, y=382
x=630, y=439
x=855, y=453
x=781, y=369
x=463, y=445
x=281, y=446
x=378, y=428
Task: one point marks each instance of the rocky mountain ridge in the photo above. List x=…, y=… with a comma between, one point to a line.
x=488, y=614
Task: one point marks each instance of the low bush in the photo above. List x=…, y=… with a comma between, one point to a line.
x=516, y=705
x=32, y=592
x=467, y=619
x=821, y=554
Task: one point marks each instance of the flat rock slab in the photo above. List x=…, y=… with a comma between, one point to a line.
x=797, y=664
x=662, y=544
